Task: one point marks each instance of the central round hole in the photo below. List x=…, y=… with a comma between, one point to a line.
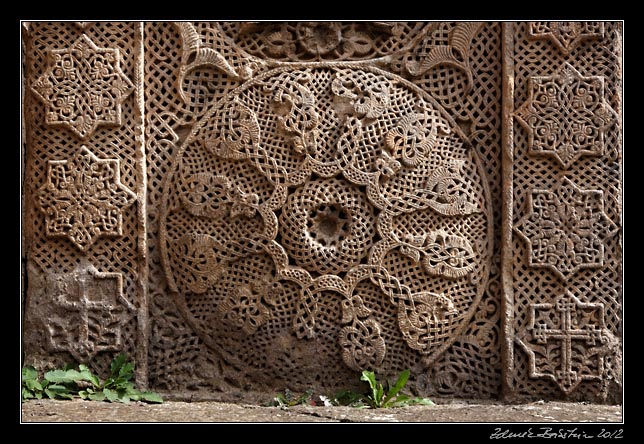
x=329, y=224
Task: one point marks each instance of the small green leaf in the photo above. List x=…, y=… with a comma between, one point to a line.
x=127, y=371
x=117, y=364
x=54, y=391
x=27, y=394
x=87, y=375
x=110, y=395
x=151, y=397
x=29, y=373
x=398, y=386
x=62, y=376
x=98, y=396
x=400, y=400
x=33, y=385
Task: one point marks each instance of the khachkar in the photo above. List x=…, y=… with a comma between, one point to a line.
x=273, y=205
x=323, y=211
x=564, y=261
x=84, y=234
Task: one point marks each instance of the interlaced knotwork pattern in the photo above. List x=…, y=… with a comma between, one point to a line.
x=83, y=183
x=567, y=210
x=301, y=172
x=267, y=205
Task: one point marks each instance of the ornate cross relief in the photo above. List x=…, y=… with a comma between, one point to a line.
x=344, y=189
x=87, y=313
x=565, y=341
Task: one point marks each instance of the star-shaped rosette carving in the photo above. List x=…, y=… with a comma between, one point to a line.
x=566, y=116
x=83, y=199
x=83, y=87
x=567, y=35
x=565, y=229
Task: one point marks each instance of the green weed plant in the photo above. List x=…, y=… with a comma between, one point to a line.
x=69, y=383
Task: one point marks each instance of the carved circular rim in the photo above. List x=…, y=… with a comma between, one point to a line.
x=308, y=282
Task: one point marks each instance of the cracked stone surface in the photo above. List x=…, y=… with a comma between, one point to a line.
x=38, y=411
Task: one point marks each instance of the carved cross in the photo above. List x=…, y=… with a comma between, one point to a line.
x=565, y=339
x=92, y=316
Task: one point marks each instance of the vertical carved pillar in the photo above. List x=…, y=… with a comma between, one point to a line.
x=84, y=190
x=562, y=247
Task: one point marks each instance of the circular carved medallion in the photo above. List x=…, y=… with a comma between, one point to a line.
x=323, y=213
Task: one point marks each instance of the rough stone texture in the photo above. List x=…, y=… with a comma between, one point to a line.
x=552, y=415
x=261, y=206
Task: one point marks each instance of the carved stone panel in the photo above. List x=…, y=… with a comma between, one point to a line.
x=321, y=218
x=260, y=206
x=84, y=230
x=564, y=333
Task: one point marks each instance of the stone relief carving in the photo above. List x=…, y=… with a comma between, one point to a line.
x=88, y=314
x=567, y=35
x=566, y=115
x=83, y=198
x=565, y=229
x=316, y=204
x=566, y=211
x=566, y=340
x=324, y=197
x=83, y=87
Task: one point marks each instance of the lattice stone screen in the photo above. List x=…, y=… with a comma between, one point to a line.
x=254, y=206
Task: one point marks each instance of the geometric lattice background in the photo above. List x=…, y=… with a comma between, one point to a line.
x=254, y=206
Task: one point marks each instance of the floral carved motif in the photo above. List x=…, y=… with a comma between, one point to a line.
x=247, y=307
x=332, y=181
x=566, y=116
x=88, y=313
x=361, y=336
x=565, y=229
x=293, y=41
x=567, y=35
x=83, y=87
x=83, y=198
x=565, y=341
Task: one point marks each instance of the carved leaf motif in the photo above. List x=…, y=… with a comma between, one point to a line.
x=420, y=313
x=448, y=255
x=190, y=40
x=446, y=191
x=210, y=57
x=414, y=137
x=205, y=194
x=455, y=54
x=354, y=308
x=441, y=253
x=241, y=310
x=194, y=254
x=362, y=344
x=295, y=107
x=449, y=191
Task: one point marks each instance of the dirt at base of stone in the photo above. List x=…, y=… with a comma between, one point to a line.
x=449, y=411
